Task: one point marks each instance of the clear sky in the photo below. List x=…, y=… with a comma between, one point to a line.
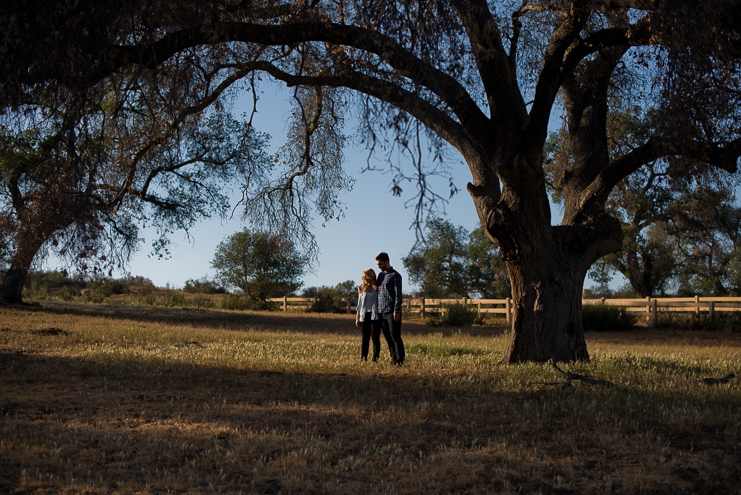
x=374, y=221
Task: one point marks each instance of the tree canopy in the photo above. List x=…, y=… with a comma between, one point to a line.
x=680, y=230
x=479, y=77
x=260, y=264
x=87, y=203
x=453, y=263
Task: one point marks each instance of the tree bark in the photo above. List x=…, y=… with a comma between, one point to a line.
x=547, y=301
x=32, y=233
x=20, y=264
x=547, y=264
x=639, y=278
x=15, y=279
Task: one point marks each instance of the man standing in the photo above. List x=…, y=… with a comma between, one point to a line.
x=389, y=307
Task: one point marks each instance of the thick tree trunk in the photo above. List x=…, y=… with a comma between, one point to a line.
x=547, y=264
x=547, y=301
x=13, y=284
x=547, y=273
x=28, y=244
x=637, y=276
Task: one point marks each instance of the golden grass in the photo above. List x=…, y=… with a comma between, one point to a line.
x=103, y=399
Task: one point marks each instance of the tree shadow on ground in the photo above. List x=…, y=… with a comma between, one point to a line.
x=269, y=321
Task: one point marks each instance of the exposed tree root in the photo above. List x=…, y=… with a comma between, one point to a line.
x=572, y=377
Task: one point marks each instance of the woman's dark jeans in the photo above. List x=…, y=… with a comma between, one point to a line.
x=370, y=328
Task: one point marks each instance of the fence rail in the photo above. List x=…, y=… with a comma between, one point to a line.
x=649, y=306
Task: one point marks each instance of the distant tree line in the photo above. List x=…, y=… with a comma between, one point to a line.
x=679, y=240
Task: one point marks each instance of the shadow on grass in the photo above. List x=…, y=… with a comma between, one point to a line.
x=154, y=393
x=271, y=321
x=111, y=423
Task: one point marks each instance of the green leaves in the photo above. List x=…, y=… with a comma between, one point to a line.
x=454, y=264
x=261, y=264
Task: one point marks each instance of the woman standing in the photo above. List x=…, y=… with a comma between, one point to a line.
x=367, y=315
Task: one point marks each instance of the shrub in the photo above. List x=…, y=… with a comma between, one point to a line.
x=51, y=285
x=49, y=280
x=97, y=296
x=66, y=293
x=146, y=291
x=108, y=287
x=200, y=301
x=604, y=318
x=138, y=281
x=36, y=292
x=456, y=315
x=243, y=303
x=175, y=300
x=203, y=286
x=326, y=303
x=729, y=322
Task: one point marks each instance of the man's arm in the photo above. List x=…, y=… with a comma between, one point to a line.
x=397, y=297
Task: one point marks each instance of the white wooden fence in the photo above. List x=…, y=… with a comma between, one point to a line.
x=649, y=306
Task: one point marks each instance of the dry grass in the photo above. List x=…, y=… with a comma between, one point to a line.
x=100, y=399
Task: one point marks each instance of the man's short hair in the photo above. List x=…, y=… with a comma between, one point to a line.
x=382, y=257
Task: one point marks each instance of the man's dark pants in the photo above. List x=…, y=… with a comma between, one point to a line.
x=392, y=333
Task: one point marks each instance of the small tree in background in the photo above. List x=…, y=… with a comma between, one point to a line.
x=346, y=288
x=455, y=263
x=260, y=264
x=487, y=273
x=440, y=266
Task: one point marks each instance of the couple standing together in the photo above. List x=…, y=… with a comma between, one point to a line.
x=379, y=309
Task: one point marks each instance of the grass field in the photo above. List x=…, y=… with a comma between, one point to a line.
x=106, y=399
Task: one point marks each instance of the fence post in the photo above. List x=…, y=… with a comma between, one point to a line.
x=285, y=303
x=347, y=301
x=463, y=301
x=654, y=315
x=648, y=308
x=711, y=309
x=422, y=311
x=508, y=306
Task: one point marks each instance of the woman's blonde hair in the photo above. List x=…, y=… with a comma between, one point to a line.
x=369, y=280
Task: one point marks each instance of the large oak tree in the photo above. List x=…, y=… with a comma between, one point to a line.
x=483, y=77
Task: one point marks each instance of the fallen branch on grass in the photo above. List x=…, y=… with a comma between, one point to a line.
x=716, y=381
x=572, y=377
